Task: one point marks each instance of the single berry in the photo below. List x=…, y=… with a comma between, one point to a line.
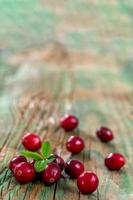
x=69, y=122
x=74, y=168
x=31, y=142
x=75, y=144
x=104, y=134
x=87, y=182
x=51, y=174
x=114, y=161
x=59, y=161
x=16, y=160
x=24, y=172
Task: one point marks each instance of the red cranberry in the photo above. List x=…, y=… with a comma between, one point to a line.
x=74, y=168
x=87, y=182
x=60, y=162
x=24, y=172
x=104, y=134
x=51, y=174
x=16, y=160
x=31, y=142
x=114, y=161
x=69, y=122
x=75, y=144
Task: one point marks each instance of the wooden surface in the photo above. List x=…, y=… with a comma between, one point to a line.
x=67, y=56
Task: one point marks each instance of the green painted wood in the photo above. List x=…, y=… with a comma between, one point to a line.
x=67, y=56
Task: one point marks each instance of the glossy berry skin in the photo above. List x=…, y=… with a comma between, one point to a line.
x=75, y=144
x=24, y=172
x=31, y=142
x=32, y=162
x=114, y=161
x=74, y=168
x=87, y=182
x=51, y=174
x=15, y=161
x=104, y=134
x=59, y=161
x=69, y=122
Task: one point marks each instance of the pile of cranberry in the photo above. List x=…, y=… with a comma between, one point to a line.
x=50, y=167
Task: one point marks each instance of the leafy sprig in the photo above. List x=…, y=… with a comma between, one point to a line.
x=43, y=158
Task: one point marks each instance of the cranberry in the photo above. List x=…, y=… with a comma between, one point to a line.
x=74, y=168
x=87, y=182
x=69, y=122
x=59, y=161
x=51, y=174
x=114, y=161
x=75, y=144
x=24, y=172
x=31, y=142
x=104, y=134
x=16, y=160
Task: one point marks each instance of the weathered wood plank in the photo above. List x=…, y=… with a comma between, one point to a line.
x=67, y=56
x=36, y=114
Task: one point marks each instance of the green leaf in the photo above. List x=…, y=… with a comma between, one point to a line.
x=30, y=154
x=51, y=158
x=40, y=165
x=46, y=149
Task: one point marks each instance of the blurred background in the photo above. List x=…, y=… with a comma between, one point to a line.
x=39, y=38
x=59, y=56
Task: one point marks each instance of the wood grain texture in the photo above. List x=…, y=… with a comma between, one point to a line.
x=67, y=56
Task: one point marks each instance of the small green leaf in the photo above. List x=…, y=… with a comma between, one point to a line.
x=40, y=165
x=46, y=149
x=30, y=154
x=51, y=158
